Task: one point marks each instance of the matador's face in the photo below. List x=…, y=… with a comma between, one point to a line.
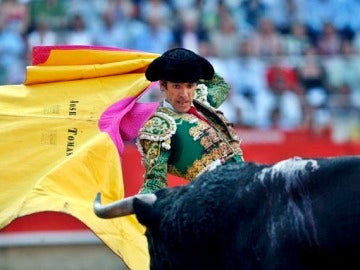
x=179, y=95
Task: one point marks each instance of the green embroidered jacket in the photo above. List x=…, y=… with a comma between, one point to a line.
x=185, y=146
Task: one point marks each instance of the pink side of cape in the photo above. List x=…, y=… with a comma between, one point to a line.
x=123, y=120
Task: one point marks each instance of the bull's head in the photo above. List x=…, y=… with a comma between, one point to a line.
x=122, y=207
x=149, y=209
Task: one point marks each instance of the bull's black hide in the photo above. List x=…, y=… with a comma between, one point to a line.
x=296, y=214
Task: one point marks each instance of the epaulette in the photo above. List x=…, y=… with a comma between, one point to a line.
x=160, y=127
x=201, y=93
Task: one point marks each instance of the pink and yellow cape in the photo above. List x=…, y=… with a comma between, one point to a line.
x=61, y=139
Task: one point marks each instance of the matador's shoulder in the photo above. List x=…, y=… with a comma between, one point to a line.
x=159, y=127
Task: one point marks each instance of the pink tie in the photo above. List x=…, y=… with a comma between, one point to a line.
x=193, y=111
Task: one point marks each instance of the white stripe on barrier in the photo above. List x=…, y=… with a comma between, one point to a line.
x=48, y=238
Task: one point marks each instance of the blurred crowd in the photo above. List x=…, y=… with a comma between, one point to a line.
x=291, y=63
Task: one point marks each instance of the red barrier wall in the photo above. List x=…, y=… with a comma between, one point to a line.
x=265, y=146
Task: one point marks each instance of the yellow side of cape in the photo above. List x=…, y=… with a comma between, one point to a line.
x=53, y=155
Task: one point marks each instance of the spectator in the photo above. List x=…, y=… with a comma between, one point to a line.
x=297, y=41
x=313, y=78
x=52, y=11
x=17, y=13
x=190, y=32
x=279, y=67
x=266, y=40
x=344, y=70
x=78, y=33
x=252, y=12
x=345, y=118
x=12, y=53
x=211, y=14
x=91, y=11
x=41, y=35
x=122, y=10
x=226, y=38
x=159, y=9
x=284, y=13
x=154, y=36
x=115, y=32
x=250, y=87
x=283, y=82
x=329, y=40
x=231, y=106
x=287, y=111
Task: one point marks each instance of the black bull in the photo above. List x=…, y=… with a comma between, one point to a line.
x=295, y=214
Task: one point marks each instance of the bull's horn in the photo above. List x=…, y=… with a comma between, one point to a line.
x=120, y=208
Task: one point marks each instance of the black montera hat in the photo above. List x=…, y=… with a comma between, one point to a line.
x=179, y=65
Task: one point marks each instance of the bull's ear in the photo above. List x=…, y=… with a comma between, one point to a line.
x=145, y=212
